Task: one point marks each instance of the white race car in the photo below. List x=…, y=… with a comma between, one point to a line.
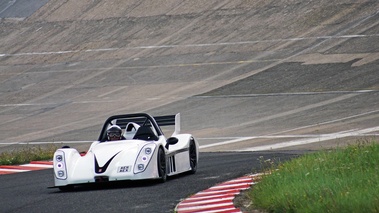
x=142, y=153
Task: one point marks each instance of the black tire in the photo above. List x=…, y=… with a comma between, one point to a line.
x=162, y=165
x=193, y=157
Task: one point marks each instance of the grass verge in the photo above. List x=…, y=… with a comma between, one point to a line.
x=339, y=180
x=27, y=154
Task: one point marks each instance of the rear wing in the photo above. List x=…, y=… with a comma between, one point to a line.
x=169, y=120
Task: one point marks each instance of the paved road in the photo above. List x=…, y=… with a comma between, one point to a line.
x=28, y=191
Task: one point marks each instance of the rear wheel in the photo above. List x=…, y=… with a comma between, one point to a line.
x=162, y=166
x=193, y=157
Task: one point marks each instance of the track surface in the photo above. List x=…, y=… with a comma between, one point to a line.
x=245, y=75
x=28, y=191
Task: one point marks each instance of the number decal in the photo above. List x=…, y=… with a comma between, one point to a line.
x=123, y=169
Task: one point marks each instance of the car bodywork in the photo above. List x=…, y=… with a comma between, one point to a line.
x=143, y=153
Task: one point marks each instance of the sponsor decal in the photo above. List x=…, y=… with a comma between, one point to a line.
x=123, y=169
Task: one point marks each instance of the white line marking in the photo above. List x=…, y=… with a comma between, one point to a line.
x=10, y=3
x=13, y=170
x=38, y=165
x=245, y=180
x=110, y=92
x=193, y=198
x=218, y=210
x=316, y=137
x=231, y=186
x=286, y=94
x=323, y=137
x=215, y=192
x=331, y=121
x=239, y=139
x=186, y=45
x=208, y=201
x=273, y=136
x=204, y=207
x=34, y=104
x=36, y=143
x=221, y=96
x=226, y=142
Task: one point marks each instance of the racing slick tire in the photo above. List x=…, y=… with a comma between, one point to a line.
x=162, y=165
x=192, y=157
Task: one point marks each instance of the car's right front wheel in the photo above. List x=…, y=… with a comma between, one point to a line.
x=162, y=165
x=193, y=157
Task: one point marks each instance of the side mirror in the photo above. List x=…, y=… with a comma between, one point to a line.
x=171, y=141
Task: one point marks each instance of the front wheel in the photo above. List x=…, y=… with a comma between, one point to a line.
x=193, y=157
x=162, y=166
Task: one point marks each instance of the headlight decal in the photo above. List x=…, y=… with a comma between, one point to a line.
x=144, y=158
x=148, y=150
x=60, y=165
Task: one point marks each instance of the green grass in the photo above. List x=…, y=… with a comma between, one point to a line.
x=341, y=180
x=25, y=155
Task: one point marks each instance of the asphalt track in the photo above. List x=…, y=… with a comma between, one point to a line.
x=245, y=76
x=28, y=191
